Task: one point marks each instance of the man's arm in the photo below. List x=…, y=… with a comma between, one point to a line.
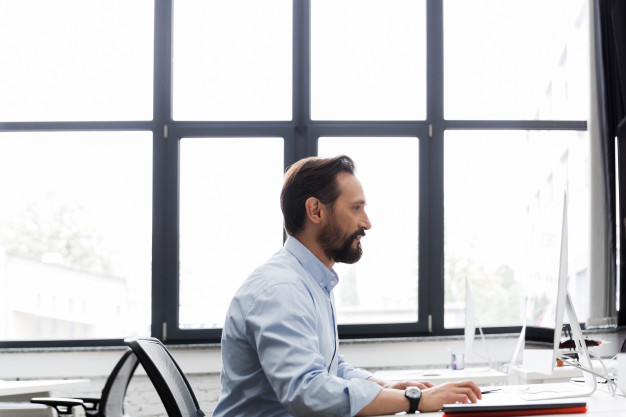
x=391, y=401
x=388, y=401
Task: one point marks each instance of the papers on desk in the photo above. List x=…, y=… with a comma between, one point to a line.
x=507, y=401
x=519, y=409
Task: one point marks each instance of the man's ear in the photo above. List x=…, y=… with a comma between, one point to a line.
x=313, y=208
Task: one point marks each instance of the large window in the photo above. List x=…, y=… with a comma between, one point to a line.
x=76, y=60
x=368, y=60
x=229, y=220
x=232, y=60
x=75, y=234
x=143, y=144
x=382, y=286
x=76, y=170
x=516, y=60
x=504, y=189
x=504, y=193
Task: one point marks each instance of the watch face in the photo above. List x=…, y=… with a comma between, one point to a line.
x=413, y=392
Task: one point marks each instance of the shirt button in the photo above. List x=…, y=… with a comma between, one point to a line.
x=321, y=283
x=332, y=282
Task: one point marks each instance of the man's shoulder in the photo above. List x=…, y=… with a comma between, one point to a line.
x=281, y=268
x=275, y=281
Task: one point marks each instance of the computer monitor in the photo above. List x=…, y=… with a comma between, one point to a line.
x=543, y=359
x=470, y=319
x=471, y=325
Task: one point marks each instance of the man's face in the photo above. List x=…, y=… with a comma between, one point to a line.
x=346, y=224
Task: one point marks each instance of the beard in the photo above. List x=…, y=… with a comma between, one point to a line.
x=337, y=246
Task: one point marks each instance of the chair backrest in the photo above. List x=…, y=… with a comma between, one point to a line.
x=112, y=398
x=166, y=376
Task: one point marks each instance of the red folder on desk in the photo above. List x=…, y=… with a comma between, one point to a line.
x=523, y=409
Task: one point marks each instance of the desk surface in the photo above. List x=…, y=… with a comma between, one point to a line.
x=37, y=386
x=481, y=376
x=559, y=374
x=601, y=403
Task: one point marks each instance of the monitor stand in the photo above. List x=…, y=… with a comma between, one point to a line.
x=584, y=362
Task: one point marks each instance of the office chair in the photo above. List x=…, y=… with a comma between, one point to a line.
x=166, y=376
x=111, y=401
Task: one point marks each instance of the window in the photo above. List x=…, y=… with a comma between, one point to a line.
x=232, y=60
x=504, y=188
x=143, y=145
x=230, y=221
x=504, y=195
x=368, y=60
x=76, y=60
x=382, y=286
x=67, y=237
x=522, y=48
x=76, y=170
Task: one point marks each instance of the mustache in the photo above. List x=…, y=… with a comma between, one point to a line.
x=360, y=232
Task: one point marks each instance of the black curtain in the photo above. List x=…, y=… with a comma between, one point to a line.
x=610, y=45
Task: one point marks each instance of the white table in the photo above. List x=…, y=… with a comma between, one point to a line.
x=600, y=404
x=24, y=390
x=519, y=375
x=15, y=396
x=481, y=376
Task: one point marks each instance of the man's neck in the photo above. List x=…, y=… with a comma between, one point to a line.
x=310, y=242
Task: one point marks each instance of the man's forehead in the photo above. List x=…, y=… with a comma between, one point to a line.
x=350, y=187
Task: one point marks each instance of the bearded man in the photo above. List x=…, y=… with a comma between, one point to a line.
x=279, y=343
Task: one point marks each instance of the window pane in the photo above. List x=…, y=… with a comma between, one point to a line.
x=75, y=235
x=232, y=60
x=516, y=59
x=230, y=220
x=76, y=60
x=368, y=60
x=382, y=286
x=503, y=208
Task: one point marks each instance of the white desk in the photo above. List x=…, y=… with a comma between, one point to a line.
x=520, y=375
x=15, y=396
x=24, y=390
x=600, y=404
x=481, y=376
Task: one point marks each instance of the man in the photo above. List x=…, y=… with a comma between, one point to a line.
x=279, y=343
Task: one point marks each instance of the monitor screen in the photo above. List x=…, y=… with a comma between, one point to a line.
x=545, y=309
x=544, y=360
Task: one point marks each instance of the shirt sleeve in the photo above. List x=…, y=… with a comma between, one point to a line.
x=346, y=371
x=281, y=323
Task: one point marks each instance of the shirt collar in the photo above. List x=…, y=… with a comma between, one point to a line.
x=326, y=278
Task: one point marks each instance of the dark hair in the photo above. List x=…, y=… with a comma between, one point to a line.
x=311, y=177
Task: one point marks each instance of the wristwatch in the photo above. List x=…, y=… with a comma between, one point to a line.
x=414, y=395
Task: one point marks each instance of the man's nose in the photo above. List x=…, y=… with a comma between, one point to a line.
x=365, y=222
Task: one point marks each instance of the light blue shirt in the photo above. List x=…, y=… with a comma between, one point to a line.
x=280, y=347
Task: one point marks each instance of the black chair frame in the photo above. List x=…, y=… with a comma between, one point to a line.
x=166, y=376
x=110, y=403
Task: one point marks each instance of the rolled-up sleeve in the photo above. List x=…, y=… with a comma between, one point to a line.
x=287, y=343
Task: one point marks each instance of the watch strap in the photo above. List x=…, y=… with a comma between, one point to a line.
x=413, y=402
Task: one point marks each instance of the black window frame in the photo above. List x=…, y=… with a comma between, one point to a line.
x=300, y=136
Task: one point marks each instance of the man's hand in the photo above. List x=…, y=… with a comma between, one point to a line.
x=435, y=397
x=392, y=400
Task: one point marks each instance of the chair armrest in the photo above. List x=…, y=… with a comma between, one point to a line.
x=63, y=406
x=90, y=403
